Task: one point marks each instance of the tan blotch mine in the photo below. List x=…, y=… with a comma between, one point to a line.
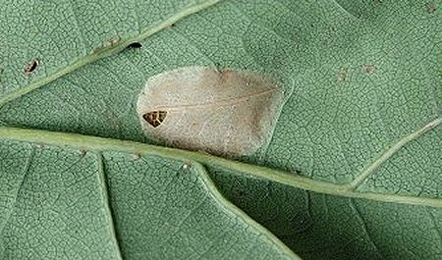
x=223, y=112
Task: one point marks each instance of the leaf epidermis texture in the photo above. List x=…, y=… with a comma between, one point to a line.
x=364, y=114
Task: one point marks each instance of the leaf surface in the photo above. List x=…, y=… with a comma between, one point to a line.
x=353, y=168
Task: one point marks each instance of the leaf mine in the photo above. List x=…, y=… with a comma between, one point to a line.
x=225, y=112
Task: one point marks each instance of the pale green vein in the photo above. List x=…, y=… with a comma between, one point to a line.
x=105, y=197
x=10, y=209
x=84, y=142
x=113, y=46
x=362, y=176
x=227, y=205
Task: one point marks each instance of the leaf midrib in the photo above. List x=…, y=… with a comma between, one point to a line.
x=93, y=143
x=114, y=46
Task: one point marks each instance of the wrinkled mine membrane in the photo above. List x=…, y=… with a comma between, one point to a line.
x=224, y=112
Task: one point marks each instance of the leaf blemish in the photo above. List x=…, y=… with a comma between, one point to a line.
x=155, y=118
x=39, y=146
x=31, y=66
x=186, y=165
x=107, y=45
x=369, y=69
x=431, y=7
x=136, y=156
x=224, y=112
x=342, y=75
x=113, y=41
x=134, y=45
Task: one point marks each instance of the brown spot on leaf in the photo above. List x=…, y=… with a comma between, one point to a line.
x=369, y=68
x=113, y=41
x=431, y=7
x=108, y=44
x=31, y=66
x=82, y=153
x=155, y=118
x=136, y=156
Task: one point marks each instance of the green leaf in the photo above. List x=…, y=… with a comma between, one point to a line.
x=55, y=205
x=353, y=169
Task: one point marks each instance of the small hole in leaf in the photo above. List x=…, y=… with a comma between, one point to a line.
x=155, y=118
x=135, y=45
x=31, y=66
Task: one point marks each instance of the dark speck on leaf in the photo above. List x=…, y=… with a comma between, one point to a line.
x=31, y=66
x=136, y=156
x=135, y=45
x=369, y=68
x=240, y=194
x=431, y=8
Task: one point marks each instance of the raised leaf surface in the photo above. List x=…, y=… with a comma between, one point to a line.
x=224, y=112
x=362, y=121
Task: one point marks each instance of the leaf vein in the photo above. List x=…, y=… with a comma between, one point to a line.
x=367, y=172
x=107, y=51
